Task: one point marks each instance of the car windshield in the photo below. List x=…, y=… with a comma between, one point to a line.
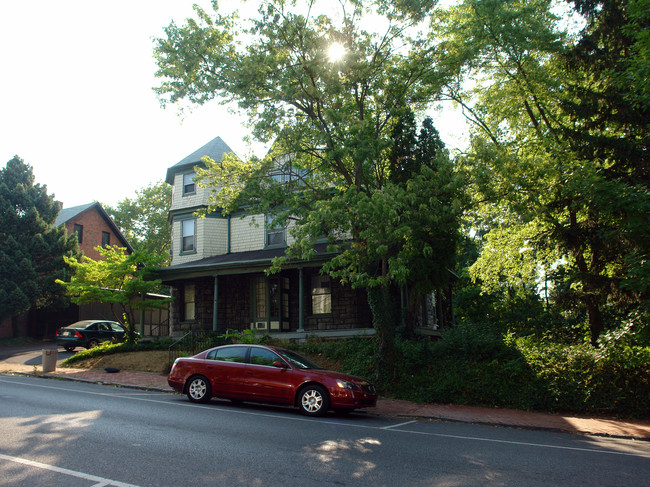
x=298, y=361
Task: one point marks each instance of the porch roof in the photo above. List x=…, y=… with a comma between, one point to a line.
x=237, y=263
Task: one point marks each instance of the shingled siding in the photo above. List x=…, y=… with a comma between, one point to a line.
x=247, y=233
x=179, y=201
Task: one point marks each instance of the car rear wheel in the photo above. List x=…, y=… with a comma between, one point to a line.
x=314, y=400
x=198, y=389
x=69, y=348
x=93, y=343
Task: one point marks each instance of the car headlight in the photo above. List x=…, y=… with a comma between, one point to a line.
x=344, y=384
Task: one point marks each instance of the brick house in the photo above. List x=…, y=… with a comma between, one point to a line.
x=93, y=227
x=217, y=270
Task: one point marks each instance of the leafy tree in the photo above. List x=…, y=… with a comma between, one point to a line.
x=332, y=126
x=31, y=250
x=122, y=280
x=559, y=154
x=143, y=220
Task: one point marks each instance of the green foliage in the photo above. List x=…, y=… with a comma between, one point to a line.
x=559, y=173
x=108, y=348
x=120, y=279
x=473, y=343
x=245, y=336
x=355, y=355
x=31, y=249
x=475, y=365
x=144, y=219
x=612, y=379
x=390, y=220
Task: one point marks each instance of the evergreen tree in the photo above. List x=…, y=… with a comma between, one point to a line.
x=31, y=249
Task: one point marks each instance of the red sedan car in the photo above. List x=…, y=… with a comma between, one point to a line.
x=270, y=375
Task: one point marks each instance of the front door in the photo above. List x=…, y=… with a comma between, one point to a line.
x=270, y=303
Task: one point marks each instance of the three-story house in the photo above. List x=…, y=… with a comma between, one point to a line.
x=218, y=263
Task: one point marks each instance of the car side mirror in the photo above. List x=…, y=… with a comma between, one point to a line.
x=279, y=364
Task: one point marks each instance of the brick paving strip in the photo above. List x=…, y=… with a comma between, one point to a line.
x=385, y=407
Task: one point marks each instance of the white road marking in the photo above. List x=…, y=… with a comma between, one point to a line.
x=73, y=473
x=397, y=425
x=338, y=423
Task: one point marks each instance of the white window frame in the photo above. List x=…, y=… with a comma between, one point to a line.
x=187, y=235
x=186, y=184
x=321, y=295
x=189, y=302
x=274, y=236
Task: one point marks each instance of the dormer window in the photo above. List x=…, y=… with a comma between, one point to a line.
x=189, y=186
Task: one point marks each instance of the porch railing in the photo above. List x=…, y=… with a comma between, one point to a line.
x=194, y=342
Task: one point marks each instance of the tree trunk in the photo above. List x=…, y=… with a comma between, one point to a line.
x=382, y=308
x=415, y=300
x=590, y=291
x=596, y=323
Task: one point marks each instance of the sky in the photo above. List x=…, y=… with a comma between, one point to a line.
x=77, y=101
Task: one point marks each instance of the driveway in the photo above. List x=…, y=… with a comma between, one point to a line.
x=32, y=354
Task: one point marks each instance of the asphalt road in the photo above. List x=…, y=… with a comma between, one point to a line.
x=67, y=433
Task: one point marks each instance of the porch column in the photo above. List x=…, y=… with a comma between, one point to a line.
x=215, y=305
x=301, y=304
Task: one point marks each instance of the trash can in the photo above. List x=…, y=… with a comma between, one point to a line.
x=49, y=359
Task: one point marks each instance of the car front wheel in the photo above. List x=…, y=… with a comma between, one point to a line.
x=314, y=400
x=198, y=389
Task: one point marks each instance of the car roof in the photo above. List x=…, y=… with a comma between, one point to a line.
x=85, y=323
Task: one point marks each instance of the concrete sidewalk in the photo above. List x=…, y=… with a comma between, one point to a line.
x=385, y=407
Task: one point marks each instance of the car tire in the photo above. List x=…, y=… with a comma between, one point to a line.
x=199, y=389
x=314, y=400
x=92, y=343
x=69, y=348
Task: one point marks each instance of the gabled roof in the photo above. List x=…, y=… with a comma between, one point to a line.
x=215, y=149
x=67, y=214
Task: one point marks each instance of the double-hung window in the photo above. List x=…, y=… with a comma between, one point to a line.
x=188, y=243
x=189, y=302
x=106, y=239
x=321, y=295
x=275, y=235
x=189, y=186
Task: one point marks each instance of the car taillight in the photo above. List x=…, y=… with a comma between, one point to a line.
x=78, y=335
x=57, y=332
